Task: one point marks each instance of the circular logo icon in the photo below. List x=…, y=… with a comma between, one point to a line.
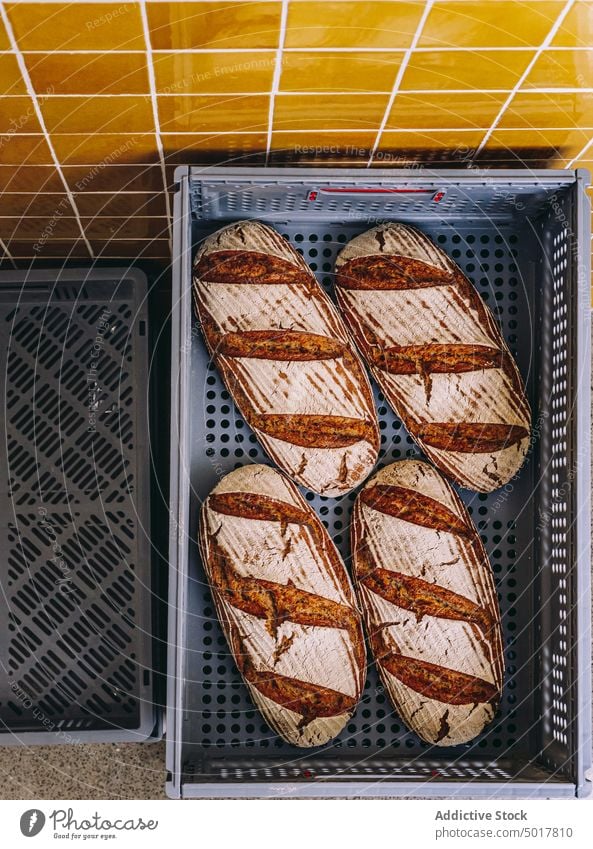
x=32, y=822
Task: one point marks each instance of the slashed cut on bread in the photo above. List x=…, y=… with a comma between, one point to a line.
x=286, y=357
x=437, y=353
x=427, y=595
x=285, y=603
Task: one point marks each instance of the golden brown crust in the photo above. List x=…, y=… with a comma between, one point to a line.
x=254, y=505
x=420, y=597
x=290, y=345
x=412, y=506
x=276, y=603
x=311, y=431
x=433, y=681
x=435, y=359
x=469, y=437
x=250, y=267
x=390, y=272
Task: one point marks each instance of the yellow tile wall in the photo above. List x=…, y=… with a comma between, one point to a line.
x=100, y=101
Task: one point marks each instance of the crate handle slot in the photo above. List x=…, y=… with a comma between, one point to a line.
x=334, y=190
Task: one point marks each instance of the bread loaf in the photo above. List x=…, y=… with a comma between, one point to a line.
x=285, y=603
x=286, y=357
x=427, y=595
x=436, y=352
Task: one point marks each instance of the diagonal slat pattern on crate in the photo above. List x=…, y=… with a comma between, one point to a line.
x=75, y=584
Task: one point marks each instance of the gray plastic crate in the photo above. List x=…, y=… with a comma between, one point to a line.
x=75, y=576
x=523, y=239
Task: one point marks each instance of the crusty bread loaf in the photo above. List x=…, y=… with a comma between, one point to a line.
x=285, y=603
x=427, y=595
x=286, y=357
x=436, y=352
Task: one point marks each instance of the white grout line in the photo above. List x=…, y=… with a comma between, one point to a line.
x=400, y=75
x=218, y=2
x=437, y=48
x=216, y=134
x=547, y=40
x=580, y=154
x=155, y=112
x=313, y=93
x=276, y=77
x=440, y=129
x=110, y=2
x=39, y=114
x=7, y=253
x=389, y=50
x=315, y=130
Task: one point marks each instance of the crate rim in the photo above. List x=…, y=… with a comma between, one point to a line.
x=471, y=176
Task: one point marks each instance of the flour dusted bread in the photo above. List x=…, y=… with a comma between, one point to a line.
x=425, y=587
x=437, y=353
x=286, y=357
x=285, y=603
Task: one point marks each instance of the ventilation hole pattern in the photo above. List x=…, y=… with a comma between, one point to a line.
x=312, y=768
x=557, y=685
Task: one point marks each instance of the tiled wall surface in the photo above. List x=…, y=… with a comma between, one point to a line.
x=99, y=101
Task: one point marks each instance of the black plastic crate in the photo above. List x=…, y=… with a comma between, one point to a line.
x=76, y=641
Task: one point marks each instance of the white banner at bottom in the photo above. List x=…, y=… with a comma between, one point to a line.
x=292, y=824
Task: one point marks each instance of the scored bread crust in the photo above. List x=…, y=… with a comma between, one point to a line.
x=426, y=591
x=286, y=357
x=437, y=353
x=285, y=603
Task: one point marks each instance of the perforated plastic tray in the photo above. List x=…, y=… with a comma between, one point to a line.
x=503, y=231
x=75, y=606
